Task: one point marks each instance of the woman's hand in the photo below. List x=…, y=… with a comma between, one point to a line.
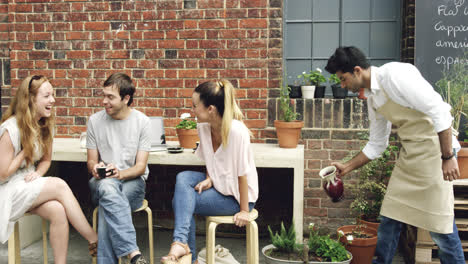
x=241, y=218
x=31, y=176
x=203, y=185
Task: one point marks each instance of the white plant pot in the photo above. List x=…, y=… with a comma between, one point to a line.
x=308, y=91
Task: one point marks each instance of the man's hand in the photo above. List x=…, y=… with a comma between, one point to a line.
x=241, y=218
x=31, y=176
x=341, y=169
x=113, y=172
x=203, y=185
x=94, y=171
x=450, y=169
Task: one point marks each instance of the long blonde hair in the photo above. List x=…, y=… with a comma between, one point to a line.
x=23, y=107
x=222, y=95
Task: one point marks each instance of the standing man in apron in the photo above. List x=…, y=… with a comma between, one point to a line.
x=420, y=191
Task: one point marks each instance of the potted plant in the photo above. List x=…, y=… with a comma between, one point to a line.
x=317, y=249
x=453, y=87
x=295, y=88
x=288, y=129
x=187, y=131
x=360, y=240
x=338, y=92
x=312, y=81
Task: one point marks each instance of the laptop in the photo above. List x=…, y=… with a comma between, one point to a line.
x=158, y=137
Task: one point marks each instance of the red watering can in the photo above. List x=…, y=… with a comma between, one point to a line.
x=332, y=185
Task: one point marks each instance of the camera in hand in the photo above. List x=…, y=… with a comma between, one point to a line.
x=101, y=172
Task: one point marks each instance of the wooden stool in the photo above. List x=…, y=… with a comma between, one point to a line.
x=252, y=236
x=14, y=256
x=144, y=207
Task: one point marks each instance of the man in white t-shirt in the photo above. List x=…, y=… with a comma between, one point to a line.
x=118, y=138
x=420, y=192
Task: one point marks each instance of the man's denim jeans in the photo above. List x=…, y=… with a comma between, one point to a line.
x=188, y=202
x=116, y=199
x=450, y=249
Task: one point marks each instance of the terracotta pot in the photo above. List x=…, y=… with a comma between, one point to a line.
x=374, y=225
x=187, y=137
x=288, y=133
x=362, y=248
x=462, y=159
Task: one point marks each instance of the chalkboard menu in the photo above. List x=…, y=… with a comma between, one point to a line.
x=441, y=36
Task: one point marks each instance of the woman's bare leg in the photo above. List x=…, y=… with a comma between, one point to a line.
x=55, y=213
x=56, y=189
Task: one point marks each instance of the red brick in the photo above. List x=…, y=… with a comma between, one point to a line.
x=40, y=55
x=59, y=64
x=104, y=6
x=77, y=35
x=191, y=54
x=232, y=53
x=148, y=44
x=192, y=34
x=22, y=27
x=117, y=54
x=253, y=23
x=78, y=54
x=171, y=44
x=252, y=83
x=233, y=73
x=208, y=4
x=253, y=64
x=154, y=54
x=153, y=35
x=192, y=44
x=146, y=26
x=212, y=44
x=170, y=83
x=253, y=3
x=164, y=25
x=190, y=24
x=95, y=26
x=98, y=64
x=255, y=43
x=79, y=74
x=191, y=73
x=206, y=24
x=255, y=123
x=75, y=16
x=247, y=103
x=212, y=64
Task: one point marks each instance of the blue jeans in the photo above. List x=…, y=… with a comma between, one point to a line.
x=450, y=248
x=116, y=199
x=188, y=202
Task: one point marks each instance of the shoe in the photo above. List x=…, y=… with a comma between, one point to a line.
x=140, y=260
x=92, y=247
x=184, y=259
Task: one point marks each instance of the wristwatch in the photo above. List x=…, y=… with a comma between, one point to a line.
x=449, y=157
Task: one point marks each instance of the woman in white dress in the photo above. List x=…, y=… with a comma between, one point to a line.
x=26, y=135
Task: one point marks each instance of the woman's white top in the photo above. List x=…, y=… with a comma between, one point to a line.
x=226, y=164
x=16, y=195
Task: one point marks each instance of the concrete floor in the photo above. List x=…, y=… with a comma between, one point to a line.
x=78, y=252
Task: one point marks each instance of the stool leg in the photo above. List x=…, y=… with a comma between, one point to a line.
x=14, y=256
x=210, y=242
x=252, y=243
x=95, y=212
x=44, y=240
x=150, y=234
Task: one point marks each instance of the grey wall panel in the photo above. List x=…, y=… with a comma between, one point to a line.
x=384, y=39
x=298, y=9
x=357, y=34
x=326, y=10
x=326, y=37
x=299, y=40
x=356, y=9
x=385, y=9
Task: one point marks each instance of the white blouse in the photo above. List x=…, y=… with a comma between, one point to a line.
x=226, y=164
x=404, y=84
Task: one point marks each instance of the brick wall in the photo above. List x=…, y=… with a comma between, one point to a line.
x=168, y=47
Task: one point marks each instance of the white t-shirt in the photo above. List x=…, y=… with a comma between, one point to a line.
x=404, y=85
x=118, y=141
x=226, y=164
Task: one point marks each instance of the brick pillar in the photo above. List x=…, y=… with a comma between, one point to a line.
x=408, y=31
x=4, y=54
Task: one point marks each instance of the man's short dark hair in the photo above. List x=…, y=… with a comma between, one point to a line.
x=123, y=83
x=345, y=59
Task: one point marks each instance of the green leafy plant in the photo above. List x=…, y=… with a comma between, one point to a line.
x=286, y=112
x=186, y=122
x=372, y=185
x=333, y=79
x=325, y=248
x=453, y=87
x=313, y=77
x=285, y=241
